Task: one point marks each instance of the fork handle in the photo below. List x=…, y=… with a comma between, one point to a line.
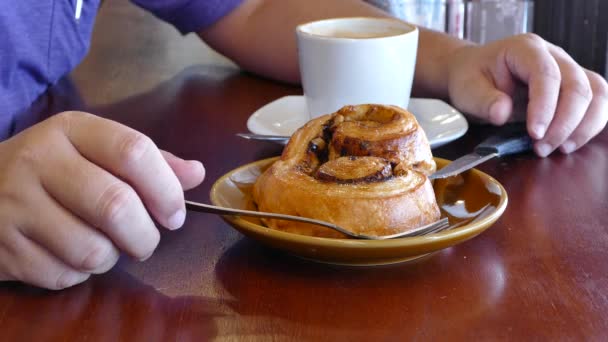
x=212, y=209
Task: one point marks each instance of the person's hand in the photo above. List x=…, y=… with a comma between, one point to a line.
x=568, y=105
x=75, y=190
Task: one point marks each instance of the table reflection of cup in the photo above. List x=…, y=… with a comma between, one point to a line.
x=351, y=61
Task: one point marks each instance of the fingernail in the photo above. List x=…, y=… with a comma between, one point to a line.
x=568, y=147
x=146, y=257
x=539, y=131
x=543, y=149
x=177, y=220
x=497, y=116
x=197, y=164
x=70, y=279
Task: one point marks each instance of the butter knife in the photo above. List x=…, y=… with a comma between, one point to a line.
x=509, y=141
x=279, y=139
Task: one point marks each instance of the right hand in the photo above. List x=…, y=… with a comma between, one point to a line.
x=75, y=189
x=567, y=107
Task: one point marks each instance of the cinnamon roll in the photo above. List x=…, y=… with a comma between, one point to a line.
x=364, y=168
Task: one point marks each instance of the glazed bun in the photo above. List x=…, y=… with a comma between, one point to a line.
x=363, y=168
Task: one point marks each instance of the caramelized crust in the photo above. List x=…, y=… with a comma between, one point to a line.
x=364, y=168
x=354, y=170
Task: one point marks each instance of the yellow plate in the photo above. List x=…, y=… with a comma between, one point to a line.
x=472, y=201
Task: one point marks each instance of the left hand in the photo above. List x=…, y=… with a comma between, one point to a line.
x=568, y=105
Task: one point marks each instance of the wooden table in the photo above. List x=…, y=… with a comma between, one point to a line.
x=539, y=273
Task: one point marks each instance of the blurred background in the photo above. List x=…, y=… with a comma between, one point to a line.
x=578, y=26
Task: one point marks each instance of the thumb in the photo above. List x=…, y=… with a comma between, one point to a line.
x=189, y=172
x=479, y=97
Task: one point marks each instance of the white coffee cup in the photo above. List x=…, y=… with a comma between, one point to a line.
x=350, y=61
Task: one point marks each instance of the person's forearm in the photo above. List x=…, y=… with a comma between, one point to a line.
x=434, y=52
x=260, y=37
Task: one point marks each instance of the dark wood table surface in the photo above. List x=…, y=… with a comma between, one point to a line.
x=540, y=273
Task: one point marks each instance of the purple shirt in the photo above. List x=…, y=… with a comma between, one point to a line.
x=43, y=40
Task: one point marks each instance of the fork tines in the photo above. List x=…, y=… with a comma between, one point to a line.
x=432, y=228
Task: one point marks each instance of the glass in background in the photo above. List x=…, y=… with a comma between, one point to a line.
x=455, y=18
x=480, y=21
x=490, y=20
x=439, y=15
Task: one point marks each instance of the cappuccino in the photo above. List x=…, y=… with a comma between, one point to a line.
x=376, y=32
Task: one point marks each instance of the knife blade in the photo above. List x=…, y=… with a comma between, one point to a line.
x=279, y=139
x=509, y=141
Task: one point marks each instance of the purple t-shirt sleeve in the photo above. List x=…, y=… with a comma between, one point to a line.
x=189, y=15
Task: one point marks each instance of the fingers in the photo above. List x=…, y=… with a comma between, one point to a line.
x=567, y=104
x=574, y=99
x=98, y=197
x=189, y=172
x=491, y=104
x=532, y=63
x=133, y=157
x=71, y=190
x=595, y=118
x=31, y=263
x=68, y=238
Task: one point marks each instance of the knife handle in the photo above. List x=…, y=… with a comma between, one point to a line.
x=509, y=141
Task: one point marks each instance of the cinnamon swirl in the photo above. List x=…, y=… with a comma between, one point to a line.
x=364, y=168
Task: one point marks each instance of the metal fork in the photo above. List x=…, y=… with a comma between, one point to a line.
x=434, y=227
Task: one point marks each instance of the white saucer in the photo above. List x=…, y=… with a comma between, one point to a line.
x=440, y=121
